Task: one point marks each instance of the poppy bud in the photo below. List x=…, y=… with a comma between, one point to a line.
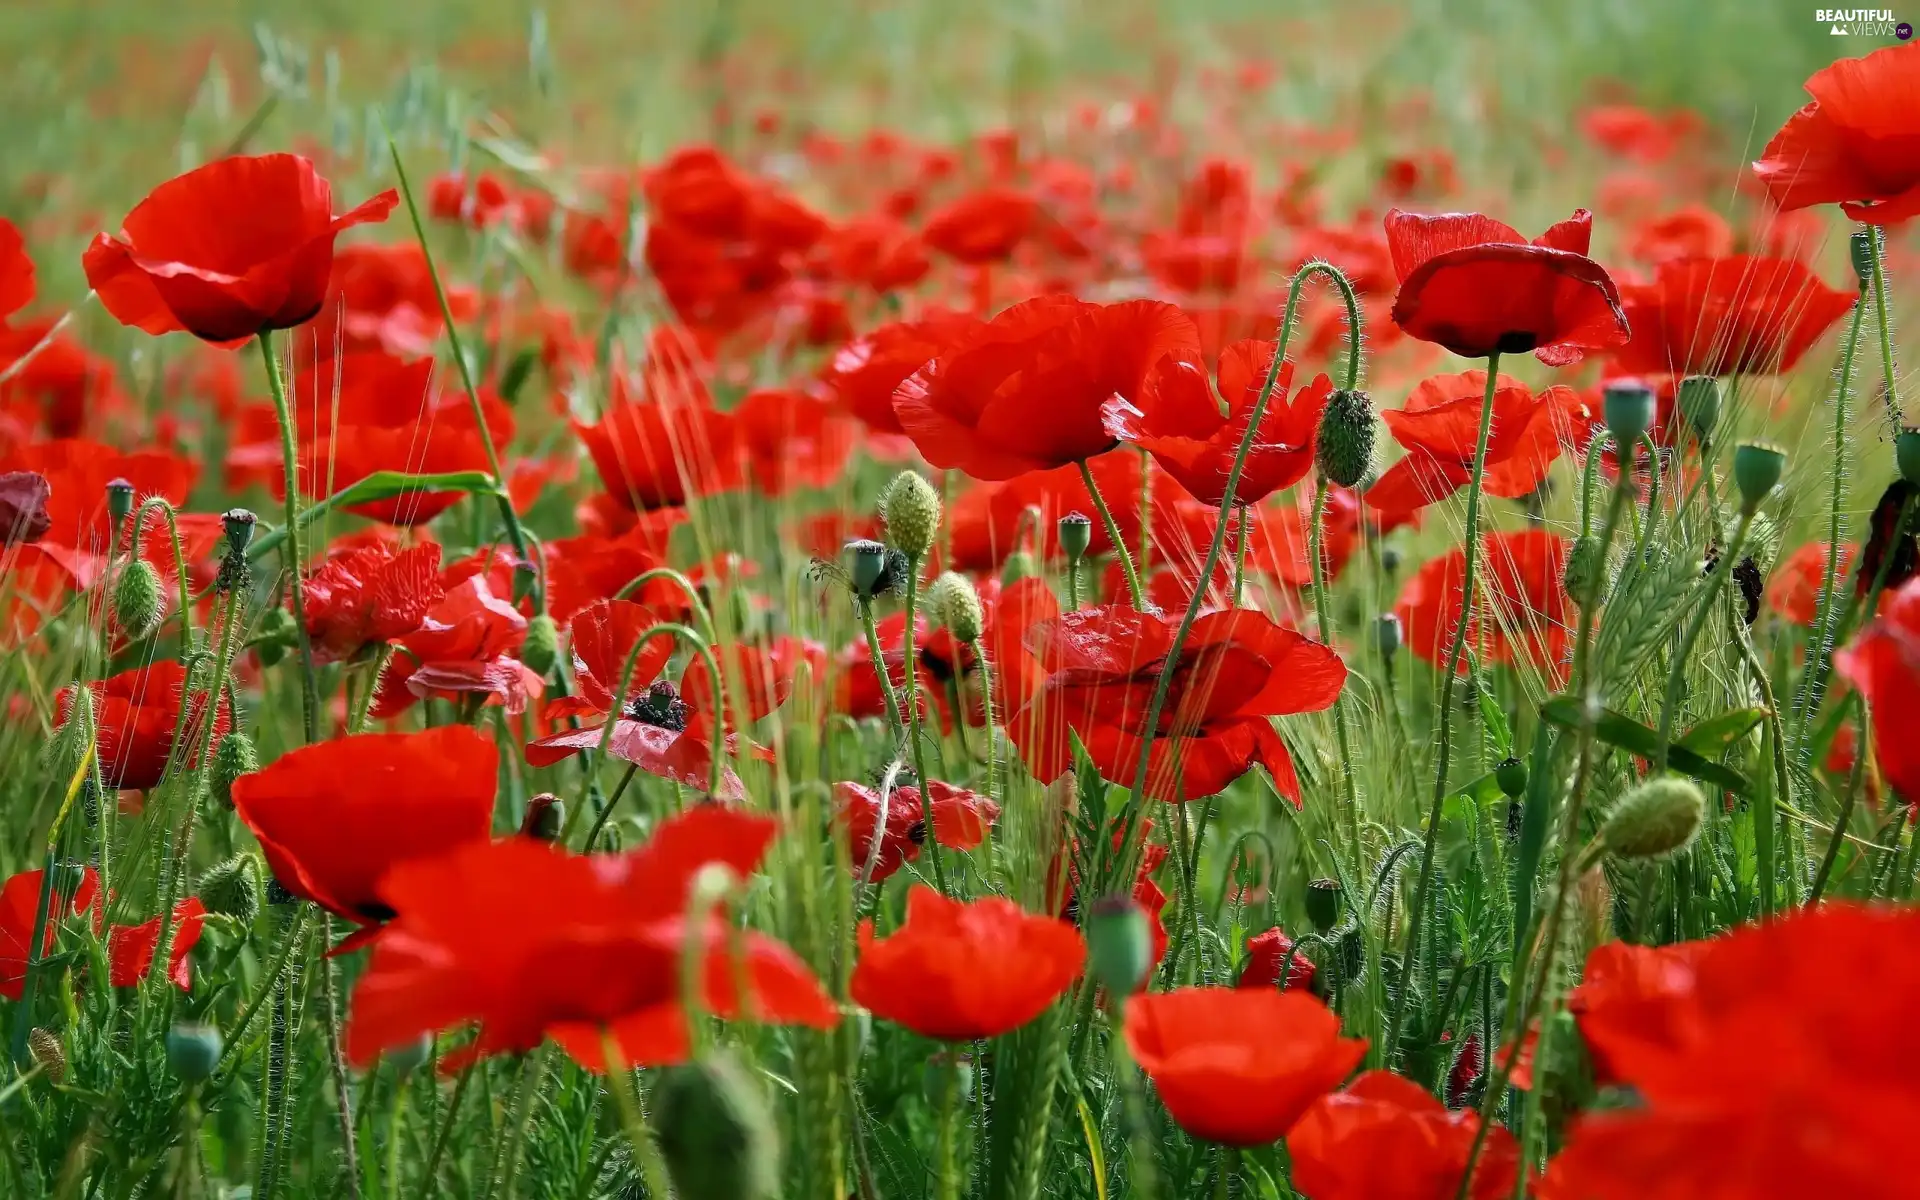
x=193, y=1051
x=540, y=648
x=716, y=1135
x=1019, y=565
x=23, y=507
x=232, y=889
x=911, y=510
x=1757, y=467
x=1324, y=902
x=1387, y=635
x=950, y=1070
x=1906, y=452
x=1655, y=819
x=49, y=1053
x=119, y=501
x=137, y=602
x=1119, y=944
x=1628, y=406
x=407, y=1056
x=277, y=635
x=1511, y=775
x=277, y=893
x=525, y=575
x=959, y=606
x=1076, y=534
x=1699, y=402
x=1585, y=575
x=1344, y=452
x=1390, y=560
x=235, y=572
x=869, y=566
x=546, y=813
x=238, y=525
x=1863, y=248
x=234, y=757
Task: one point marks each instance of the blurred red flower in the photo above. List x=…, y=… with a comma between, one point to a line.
x=1690, y=231
x=16, y=271
x=1856, y=144
x=1727, y=316
x=1793, y=590
x=1883, y=662
x=867, y=370
x=19, y=913
x=238, y=247
x=136, y=713
x=1522, y=616
x=960, y=821
x=130, y=948
x=792, y=440
x=1385, y=1138
x=1440, y=428
x=981, y=227
x=660, y=454
x=1266, y=954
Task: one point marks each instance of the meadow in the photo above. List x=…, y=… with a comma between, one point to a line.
x=731, y=600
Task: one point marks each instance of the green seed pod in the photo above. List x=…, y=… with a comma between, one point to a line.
x=234, y=757
x=869, y=560
x=1906, y=452
x=1757, y=467
x=1862, y=249
x=1628, y=406
x=277, y=635
x=1585, y=575
x=1699, y=404
x=193, y=1051
x=1325, y=901
x=119, y=501
x=1511, y=774
x=958, y=606
x=235, y=572
x=48, y=1051
x=407, y=1057
x=1119, y=944
x=1657, y=818
x=911, y=511
x=546, y=816
x=1076, y=534
x=541, y=647
x=233, y=888
x=1388, y=635
x=137, y=601
x=1019, y=565
x=1344, y=452
x=716, y=1134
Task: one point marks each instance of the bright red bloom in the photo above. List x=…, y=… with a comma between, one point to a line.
x=658, y=455
x=1236, y=670
x=369, y=595
x=135, y=714
x=793, y=440
x=1266, y=954
x=591, y=567
x=959, y=971
x=1521, y=588
x=1691, y=231
x=16, y=270
x=1626, y=998
x=1384, y=1138
x=1475, y=286
x=20, y=905
x=381, y=298
x=1793, y=590
x=1856, y=144
x=1440, y=428
x=229, y=250
x=333, y=818
x=1238, y=1066
x=1727, y=316
x=988, y=519
x=531, y=942
x=1179, y=422
x=1025, y=391
x=866, y=371
x=130, y=948
x=982, y=226
x=1883, y=662
x=79, y=471
x=960, y=821
x=464, y=648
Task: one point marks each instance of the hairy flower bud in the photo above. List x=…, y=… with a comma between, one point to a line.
x=716, y=1133
x=1119, y=944
x=1344, y=452
x=1019, y=565
x=911, y=511
x=1657, y=818
x=546, y=816
x=137, y=600
x=1585, y=575
x=193, y=1051
x=232, y=888
x=955, y=602
x=48, y=1051
x=1757, y=467
x=234, y=757
x=540, y=648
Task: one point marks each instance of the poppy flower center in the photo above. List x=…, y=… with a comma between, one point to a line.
x=1518, y=341
x=661, y=707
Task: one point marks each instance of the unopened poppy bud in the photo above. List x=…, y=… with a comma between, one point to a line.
x=716, y=1133
x=193, y=1051
x=277, y=634
x=1585, y=575
x=232, y=888
x=1344, y=452
x=1699, y=403
x=540, y=648
x=277, y=893
x=407, y=1057
x=1076, y=534
x=869, y=564
x=1655, y=819
x=546, y=813
x=1757, y=467
x=1019, y=565
x=137, y=601
x=911, y=511
x=950, y=1070
x=1628, y=406
x=959, y=608
x=1325, y=899
x=234, y=757
x=119, y=501
x=1863, y=248
x=1387, y=635
x=525, y=576
x=1511, y=775
x=1119, y=944
x=238, y=524
x=1390, y=560
x=1906, y=453
x=49, y=1053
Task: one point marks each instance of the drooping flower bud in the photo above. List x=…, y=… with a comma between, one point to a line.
x=1628, y=406
x=716, y=1133
x=119, y=501
x=1585, y=575
x=1511, y=775
x=1657, y=818
x=1757, y=467
x=525, y=576
x=137, y=600
x=911, y=511
x=546, y=814
x=233, y=888
x=540, y=648
x=958, y=606
x=1325, y=900
x=193, y=1051
x=1119, y=944
x=1344, y=450
x=234, y=757
x=1388, y=635
x=1076, y=534
x=1699, y=403
x=1019, y=565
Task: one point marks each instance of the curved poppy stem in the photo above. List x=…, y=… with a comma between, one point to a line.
x=290, y=554
x=606, y=812
x=1417, y=915
x=695, y=603
x=1315, y=539
x=1653, y=494
x=1354, y=320
x=1113, y=535
x=1240, y=554
x=717, y=758
x=166, y=511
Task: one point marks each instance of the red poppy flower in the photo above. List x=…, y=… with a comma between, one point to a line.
x=19, y=912
x=960, y=821
x=1440, y=428
x=1883, y=662
x=63, y=389
x=866, y=371
x=1277, y=537
x=136, y=712
x=1384, y=1138
x=1855, y=144
x=531, y=942
x=1522, y=616
x=369, y=595
x=592, y=567
x=78, y=472
x=381, y=298
x=464, y=648
x=1477, y=287
x=1793, y=590
x=23, y=507
x=958, y=971
x=1238, y=1066
x=658, y=455
x=1626, y=999
x=333, y=818
x=1725, y=316
x=989, y=519
x=876, y=251
x=1179, y=422
x=1266, y=954
x=982, y=226
x=130, y=948
x=1691, y=231
x=793, y=440
x=16, y=270
x=229, y=250
x=1236, y=670
x=1025, y=391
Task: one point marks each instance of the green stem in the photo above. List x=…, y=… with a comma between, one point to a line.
x=606, y=813
x=1325, y=625
x=1841, y=821
x=1240, y=559
x=1113, y=535
x=1670, y=703
x=913, y=729
x=1885, y=322
x=653, y=1169
x=986, y=704
x=290, y=549
x=342, y=1090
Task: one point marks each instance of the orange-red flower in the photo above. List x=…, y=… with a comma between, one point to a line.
x=464, y=648
x=1179, y=422
x=792, y=440
x=1793, y=590
x=1883, y=662
x=136, y=714
x=16, y=270
x=1238, y=1066
x=1475, y=286
x=866, y=371
x=235, y=248
x=1440, y=428
x=960, y=822
x=333, y=818
x=658, y=455
x=982, y=226
x=1267, y=954
x=130, y=948
x=20, y=910
x=366, y=596
x=1856, y=144
x=964, y=970
x=1384, y=1138
x=1744, y=315
x=1522, y=617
